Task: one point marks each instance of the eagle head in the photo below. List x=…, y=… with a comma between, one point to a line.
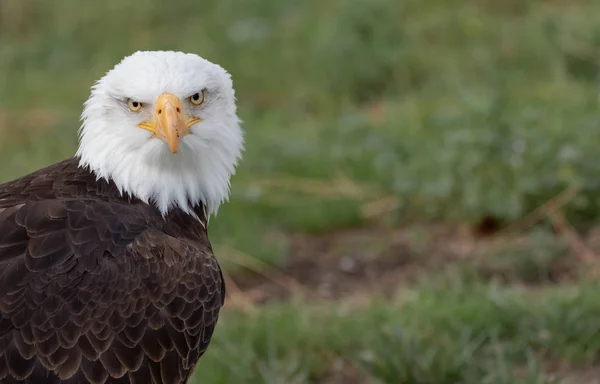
x=163, y=127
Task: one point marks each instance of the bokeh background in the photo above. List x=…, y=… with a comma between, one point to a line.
x=418, y=202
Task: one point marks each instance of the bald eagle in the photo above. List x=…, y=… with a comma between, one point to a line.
x=107, y=274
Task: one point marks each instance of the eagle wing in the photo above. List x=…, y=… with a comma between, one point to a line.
x=90, y=292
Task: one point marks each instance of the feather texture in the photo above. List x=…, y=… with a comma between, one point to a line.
x=100, y=288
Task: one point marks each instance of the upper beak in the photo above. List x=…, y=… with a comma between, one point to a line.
x=169, y=122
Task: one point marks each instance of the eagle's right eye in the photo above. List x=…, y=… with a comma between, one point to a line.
x=134, y=106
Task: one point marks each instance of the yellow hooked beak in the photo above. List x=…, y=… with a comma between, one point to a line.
x=169, y=123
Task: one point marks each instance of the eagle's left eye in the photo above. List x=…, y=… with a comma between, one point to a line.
x=197, y=98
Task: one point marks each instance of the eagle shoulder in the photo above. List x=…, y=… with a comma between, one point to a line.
x=93, y=291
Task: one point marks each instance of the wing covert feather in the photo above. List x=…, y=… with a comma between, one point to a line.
x=90, y=291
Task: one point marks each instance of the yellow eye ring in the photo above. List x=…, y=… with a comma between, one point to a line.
x=197, y=98
x=134, y=106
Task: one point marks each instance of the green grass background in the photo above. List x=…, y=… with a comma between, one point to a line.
x=448, y=110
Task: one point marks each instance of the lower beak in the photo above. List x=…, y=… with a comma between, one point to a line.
x=169, y=122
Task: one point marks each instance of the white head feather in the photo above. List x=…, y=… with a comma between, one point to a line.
x=115, y=148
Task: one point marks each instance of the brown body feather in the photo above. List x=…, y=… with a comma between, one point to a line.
x=99, y=288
